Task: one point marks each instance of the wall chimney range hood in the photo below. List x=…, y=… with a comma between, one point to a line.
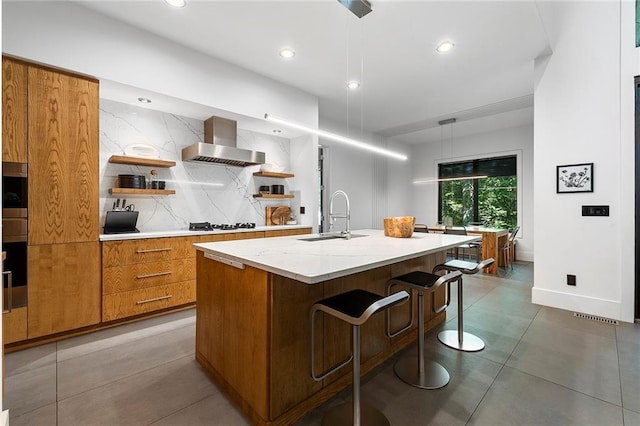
x=220, y=146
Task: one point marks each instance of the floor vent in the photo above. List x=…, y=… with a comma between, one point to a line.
x=595, y=318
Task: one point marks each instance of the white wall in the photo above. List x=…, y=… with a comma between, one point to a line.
x=361, y=174
x=584, y=113
x=426, y=157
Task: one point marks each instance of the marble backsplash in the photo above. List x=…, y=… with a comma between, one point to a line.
x=204, y=192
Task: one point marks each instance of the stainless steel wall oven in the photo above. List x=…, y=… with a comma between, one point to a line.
x=14, y=234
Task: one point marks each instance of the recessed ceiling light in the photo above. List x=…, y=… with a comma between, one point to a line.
x=353, y=84
x=445, y=46
x=144, y=100
x=277, y=131
x=176, y=3
x=287, y=53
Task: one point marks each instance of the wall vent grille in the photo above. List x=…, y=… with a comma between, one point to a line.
x=595, y=318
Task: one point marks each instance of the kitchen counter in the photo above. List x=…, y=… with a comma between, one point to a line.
x=187, y=233
x=312, y=262
x=252, y=314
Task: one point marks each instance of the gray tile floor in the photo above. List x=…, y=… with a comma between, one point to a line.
x=541, y=366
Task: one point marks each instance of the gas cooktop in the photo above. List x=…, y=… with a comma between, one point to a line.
x=206, y=226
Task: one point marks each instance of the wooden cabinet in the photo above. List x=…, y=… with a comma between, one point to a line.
x=64, y=287
x=14, y=111
x=146, y=275
x=63, y=157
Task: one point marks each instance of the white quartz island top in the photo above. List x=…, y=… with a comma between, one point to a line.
x=316, y=261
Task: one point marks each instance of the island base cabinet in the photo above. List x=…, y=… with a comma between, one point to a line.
x=253, y=335
x=64, y=287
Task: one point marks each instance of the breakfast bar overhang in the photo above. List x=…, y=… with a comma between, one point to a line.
x=252, y=313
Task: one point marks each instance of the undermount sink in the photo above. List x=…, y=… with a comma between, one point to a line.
x=330, y=237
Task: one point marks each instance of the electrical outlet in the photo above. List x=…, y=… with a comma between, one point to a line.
x=301, y=209
x=571, y=279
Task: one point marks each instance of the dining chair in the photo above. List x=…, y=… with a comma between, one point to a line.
x=506, y=253
x=465, y=246
x=420, y=227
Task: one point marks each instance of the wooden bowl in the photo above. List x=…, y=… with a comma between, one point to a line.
x=399, y=227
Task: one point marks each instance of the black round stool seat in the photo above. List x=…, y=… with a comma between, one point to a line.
x=353, y=305
x=418, y=279
x=464, y=266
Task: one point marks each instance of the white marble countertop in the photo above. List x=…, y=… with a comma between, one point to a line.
x=187, y=233
x=313, y=262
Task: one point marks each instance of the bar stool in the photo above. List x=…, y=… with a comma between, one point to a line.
x=413, y=369
x=354, y=307
x=459, y=339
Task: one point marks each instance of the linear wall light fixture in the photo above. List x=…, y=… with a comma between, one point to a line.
x=337, y=138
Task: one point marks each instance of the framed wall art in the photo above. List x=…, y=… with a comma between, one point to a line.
x=574, y=178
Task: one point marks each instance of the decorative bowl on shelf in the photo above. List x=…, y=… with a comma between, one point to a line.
x=399, y=227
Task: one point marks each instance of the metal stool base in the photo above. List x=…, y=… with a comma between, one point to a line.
x=343, y=415
x=434, y=376
x=470, y=342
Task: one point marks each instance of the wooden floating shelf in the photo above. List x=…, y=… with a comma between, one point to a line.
x=273, y=174
x=272, y=196
x=138, y=161
x=135, y=191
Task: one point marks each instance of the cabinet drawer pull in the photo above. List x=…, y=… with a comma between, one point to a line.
x=155, y=299
x=153, y=250
x=157, y=274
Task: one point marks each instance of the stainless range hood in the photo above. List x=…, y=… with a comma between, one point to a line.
x=220, y=146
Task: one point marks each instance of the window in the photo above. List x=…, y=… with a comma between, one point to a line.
x=491, y=201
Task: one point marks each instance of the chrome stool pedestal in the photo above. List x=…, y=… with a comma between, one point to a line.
x=414, y=369
x=459, y=339
x=354, y=307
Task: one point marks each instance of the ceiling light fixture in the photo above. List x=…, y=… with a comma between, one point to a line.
x=445, y=46
x=353, y=84
x=144, y=100
x=357, y=7
x=287, y=53
x=176, y=3
x=432, y=180
x=337, y=138
x=277, y=131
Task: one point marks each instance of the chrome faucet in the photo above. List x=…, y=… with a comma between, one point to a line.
x=346, y=215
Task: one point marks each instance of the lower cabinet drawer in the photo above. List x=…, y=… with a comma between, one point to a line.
x=142, y=275
x=126, y=304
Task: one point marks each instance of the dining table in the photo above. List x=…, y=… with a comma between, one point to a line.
x=492, y=240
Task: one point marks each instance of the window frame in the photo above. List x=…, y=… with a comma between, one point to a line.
x=475, y=161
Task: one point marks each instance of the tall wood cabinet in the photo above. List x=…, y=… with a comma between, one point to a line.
x=50, y=121
x=14, y=111
x=63, y=158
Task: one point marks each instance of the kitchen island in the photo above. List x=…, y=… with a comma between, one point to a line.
x=252, y=314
